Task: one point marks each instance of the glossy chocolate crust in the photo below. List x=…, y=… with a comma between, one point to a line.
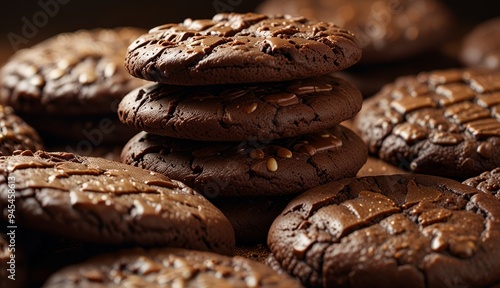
x=263, y=111
x=390, y=231
x=481, y=47
x=78, y=73
x=241, y=48
x=281, y=167
x=97, y=200
x=15, y=134
x=444, y=122
x=169, y=267
x=386, y=30
x=488, y=182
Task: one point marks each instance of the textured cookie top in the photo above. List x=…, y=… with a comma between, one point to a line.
x=386, y=30
x=241, y=48
x=390, y=231
x=262, y=111
x=77, y=73
x=481, y=47
x=98, y=200
x=15, y=134
x=442, y=122
x=488, y=182
x=281, y=167
x=169, y=267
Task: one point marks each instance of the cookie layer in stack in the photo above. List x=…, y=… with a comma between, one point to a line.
x=242, y=111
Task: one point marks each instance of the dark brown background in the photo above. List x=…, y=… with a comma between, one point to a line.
x=77, y=14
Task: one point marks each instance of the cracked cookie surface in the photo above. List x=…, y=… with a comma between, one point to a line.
x=443, y=122
x=97, y=200
x=260, y=112
x=390, y=231
x=281, y=167
x=241, y=48
x=169, y=267
x=481, y=46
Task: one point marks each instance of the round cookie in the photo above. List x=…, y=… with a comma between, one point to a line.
x=386, y=30
x=281, y=167
x=481, y=46
x=169, y=267
x=78, y=73
x=390, y=231
x=259, y=112
x=241, y=48
x=488, y=182
x=444, y=122
x=15, y=134
x=97, y=200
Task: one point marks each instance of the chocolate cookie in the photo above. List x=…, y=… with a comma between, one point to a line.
x=441, y=122
x=481, y=47
x=169, y=267
x=15, y=134
x=281, y=167
x=77, y=73
x=488, y=182
x=386, y=30
x=241, y=112
x=390, y=231
x=97, y=200
x=241, y=48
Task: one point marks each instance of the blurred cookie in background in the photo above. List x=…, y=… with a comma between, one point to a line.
x=71, y=77
x=369, y=79
x=481, y=46
x=386, y=30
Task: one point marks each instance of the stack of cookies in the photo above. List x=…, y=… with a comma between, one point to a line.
x=243, y=111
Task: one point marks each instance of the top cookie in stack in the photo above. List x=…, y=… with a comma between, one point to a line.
x=244, y=106
x=241, y=48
